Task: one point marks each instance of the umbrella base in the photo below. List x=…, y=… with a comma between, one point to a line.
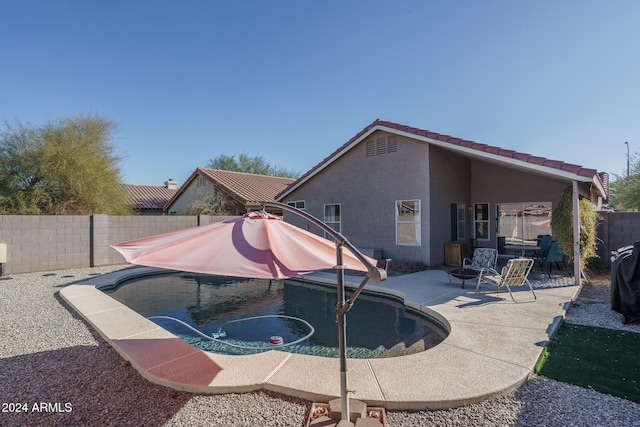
x=328, y=415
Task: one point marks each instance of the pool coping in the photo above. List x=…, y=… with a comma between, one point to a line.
x=465, y=368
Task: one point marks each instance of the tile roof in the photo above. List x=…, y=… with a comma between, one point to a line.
x=469, y=146
x=247, y=188
x=148, y=197
x=502, y=152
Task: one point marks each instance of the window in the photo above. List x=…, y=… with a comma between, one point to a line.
x=408, y=222
x=200, y=181
x=522, y=223
x=458, y=222
x=332, y=217
x=481, y=221
x=299, y=204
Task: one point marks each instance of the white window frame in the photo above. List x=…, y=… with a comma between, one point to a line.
x=417, y=221
x=476, y=221
x=330, y=221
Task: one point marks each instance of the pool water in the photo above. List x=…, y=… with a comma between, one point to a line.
x=376, y=326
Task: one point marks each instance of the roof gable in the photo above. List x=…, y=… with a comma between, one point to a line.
x=247, y=188
x=463, y=146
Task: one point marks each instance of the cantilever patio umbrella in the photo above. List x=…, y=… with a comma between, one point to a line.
x=260, y=245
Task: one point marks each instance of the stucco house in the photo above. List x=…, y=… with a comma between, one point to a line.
x=150, y=199
x=235, y=192
x=407, y=194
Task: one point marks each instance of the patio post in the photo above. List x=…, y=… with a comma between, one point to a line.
x=576, y=235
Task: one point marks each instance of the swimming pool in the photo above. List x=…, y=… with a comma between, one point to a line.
x=251, y=312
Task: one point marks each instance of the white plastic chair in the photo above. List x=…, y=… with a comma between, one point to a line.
x=515, y=273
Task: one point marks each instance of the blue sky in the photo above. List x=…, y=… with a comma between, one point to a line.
x=293, y=80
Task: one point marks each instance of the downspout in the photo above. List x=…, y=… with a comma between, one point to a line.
x=576, y=236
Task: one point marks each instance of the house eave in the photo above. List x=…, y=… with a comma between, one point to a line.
x=463, y=150
x=330, y=161
x=491, y=157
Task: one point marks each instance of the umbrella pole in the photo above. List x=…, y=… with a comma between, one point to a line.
x=342, y=336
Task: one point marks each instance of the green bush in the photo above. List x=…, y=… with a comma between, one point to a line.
x=562, y=225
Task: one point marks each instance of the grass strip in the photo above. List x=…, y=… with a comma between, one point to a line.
x=605, y=360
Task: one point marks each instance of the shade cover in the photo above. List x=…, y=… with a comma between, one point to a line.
x=257, y=245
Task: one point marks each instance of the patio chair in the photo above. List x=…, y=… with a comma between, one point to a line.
x=515, y=273
x=471, y=268
x=544, y=242
x=554, y=256
x=482, y=258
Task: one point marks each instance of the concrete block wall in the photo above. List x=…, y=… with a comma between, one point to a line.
x=123, y=228
x=44, y=243
x=616, y=230
x=99, y=246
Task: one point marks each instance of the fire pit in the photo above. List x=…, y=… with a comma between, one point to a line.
x=463, y=274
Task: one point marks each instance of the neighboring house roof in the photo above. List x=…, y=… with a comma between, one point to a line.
x=604, y=178
x=464, y=147
x=247, y=188
x=148, y=197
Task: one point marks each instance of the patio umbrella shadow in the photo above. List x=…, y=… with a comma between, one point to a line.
x=479, y=300
x=82, y=281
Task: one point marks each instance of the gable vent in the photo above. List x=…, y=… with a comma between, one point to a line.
x=382, y=145
x=392, y=144
x=371, y=148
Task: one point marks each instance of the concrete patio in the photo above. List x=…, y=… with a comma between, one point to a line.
x=491, y=349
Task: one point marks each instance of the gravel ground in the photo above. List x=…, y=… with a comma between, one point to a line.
x=54, y=371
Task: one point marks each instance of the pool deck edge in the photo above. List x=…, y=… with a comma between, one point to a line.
x=492, y=347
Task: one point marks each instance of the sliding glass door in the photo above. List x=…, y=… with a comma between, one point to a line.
x=521, y=223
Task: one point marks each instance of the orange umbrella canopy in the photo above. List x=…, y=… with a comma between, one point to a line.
x=257, y=245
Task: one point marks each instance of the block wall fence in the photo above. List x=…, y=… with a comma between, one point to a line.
x=51, y=242
x=616, y=230
x=43, y=243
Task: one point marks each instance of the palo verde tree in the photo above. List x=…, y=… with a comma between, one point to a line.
x=249, y=164
x=65, y=167
x=562, y=225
